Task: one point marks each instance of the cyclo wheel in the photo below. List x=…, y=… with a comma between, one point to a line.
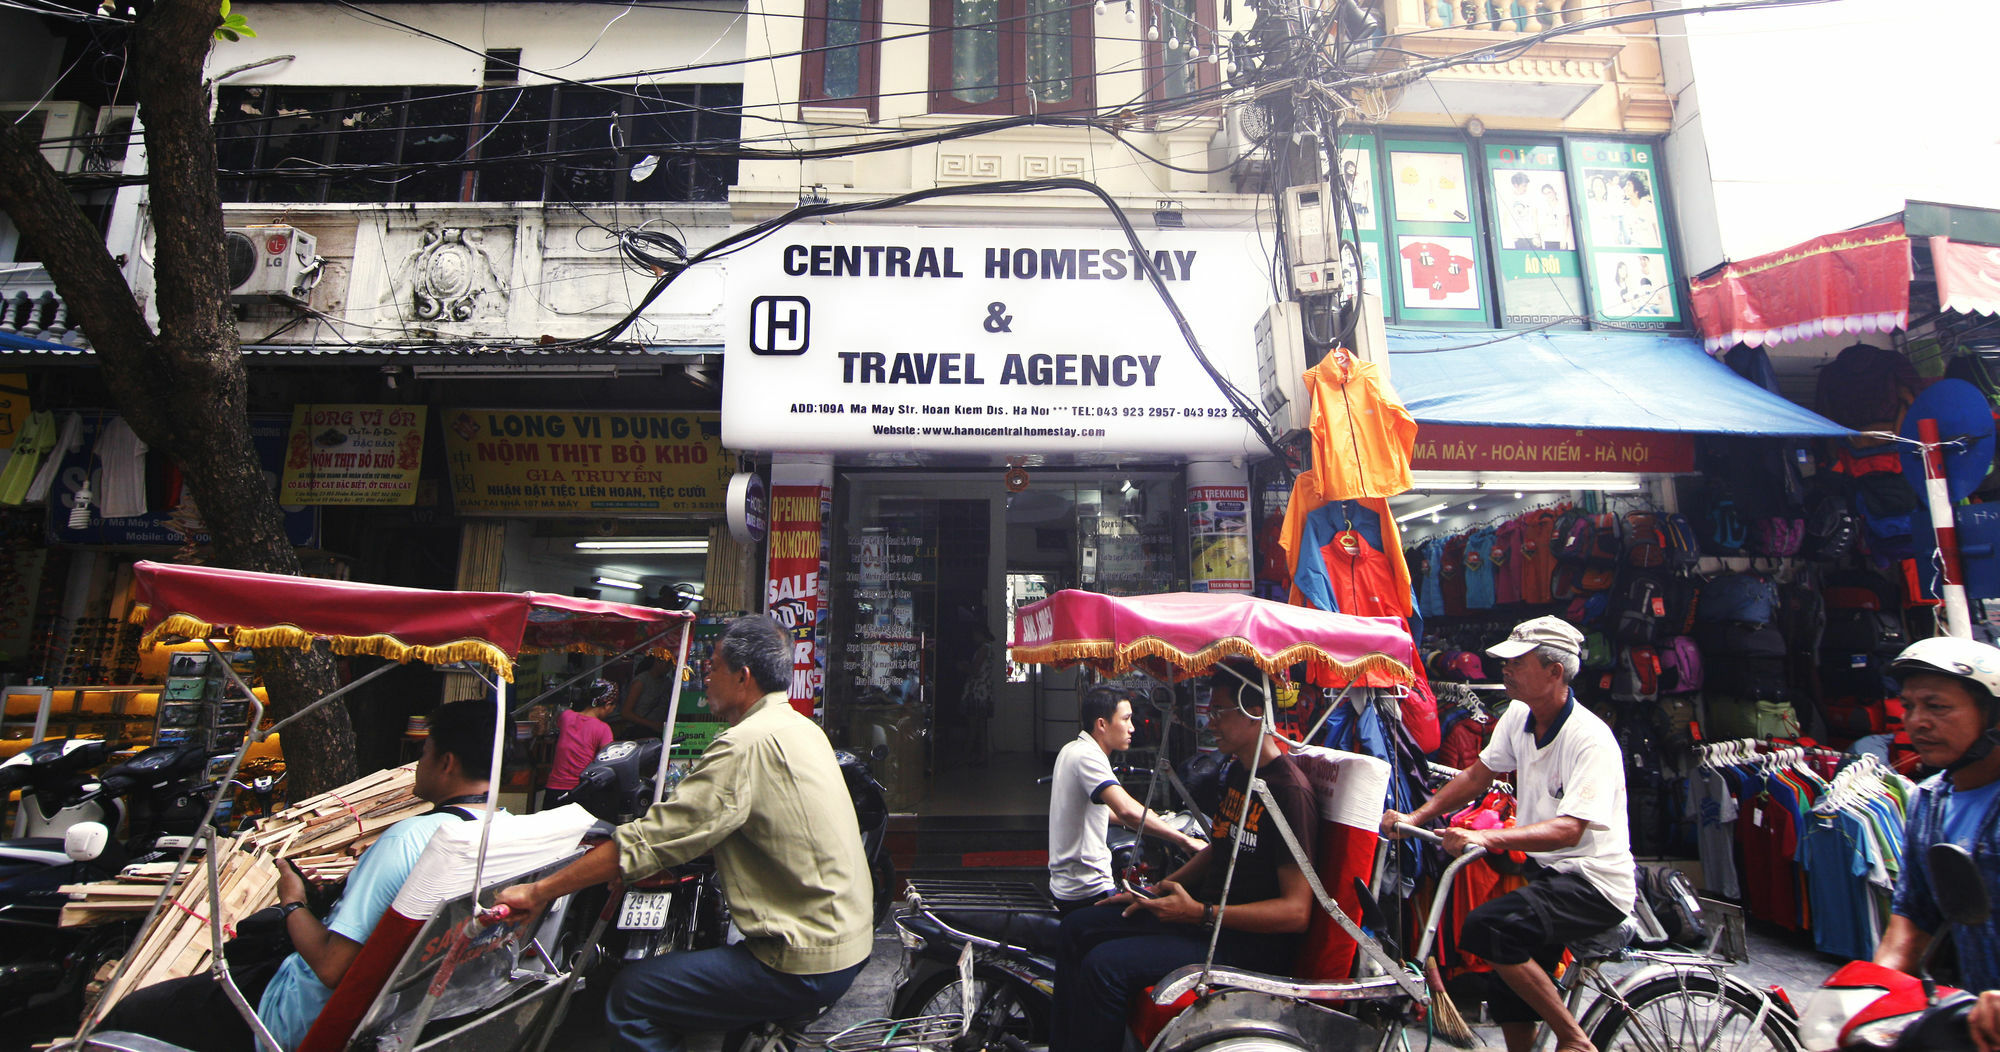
x=1692, y=1012
x=998, y=1005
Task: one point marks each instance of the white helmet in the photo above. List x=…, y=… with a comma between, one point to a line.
x=1977, y=663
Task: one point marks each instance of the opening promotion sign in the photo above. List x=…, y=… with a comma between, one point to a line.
x=873, y=339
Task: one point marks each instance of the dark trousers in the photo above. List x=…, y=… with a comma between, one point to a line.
x=654, y=1002
x=193, y=1013
x=1104, y=960
x=1534, y=923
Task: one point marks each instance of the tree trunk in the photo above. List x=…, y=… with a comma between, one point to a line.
x=184, y=389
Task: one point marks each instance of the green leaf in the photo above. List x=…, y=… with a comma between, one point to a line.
x=227, y=34
x=225, y=8
x=246, y=31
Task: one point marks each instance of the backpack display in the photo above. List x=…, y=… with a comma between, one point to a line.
x=1640, y=603
x=1887, y=506
x=1683, y=544
x=1739, y=597
x=1683, y=606
x=1574, y=536
x=1605, y=545
x=1858, y=631
x=1645, y=541
x=1587, y=609
x=1596, y=651
x=1830, y=529
x=1637, y=676
x=1780, y=537
x=1726, y=534
x=1680, y=666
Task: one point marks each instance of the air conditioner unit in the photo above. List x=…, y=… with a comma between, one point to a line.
x=1281, y=365
x=1237, y=144
x=61, y=127
x=111, y=139
x=271, y=263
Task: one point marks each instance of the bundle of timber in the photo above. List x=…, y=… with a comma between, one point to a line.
x=179, y=942
x=343, y=820
x=322, y=835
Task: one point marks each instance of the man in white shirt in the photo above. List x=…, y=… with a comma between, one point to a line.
x=1083, y=798
x=1569, y=793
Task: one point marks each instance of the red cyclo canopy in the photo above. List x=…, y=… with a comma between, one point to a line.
x=402, y=624
x=1180, y=634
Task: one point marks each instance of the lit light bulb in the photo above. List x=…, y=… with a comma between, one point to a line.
x=1153, y=31
x=1518, y=494
x=1101, y=7
x=1472, y=507
x=1194, y=53
x=1173, y=43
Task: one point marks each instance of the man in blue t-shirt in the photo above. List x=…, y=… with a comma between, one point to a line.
x=1951, y=698
x=194, y=1013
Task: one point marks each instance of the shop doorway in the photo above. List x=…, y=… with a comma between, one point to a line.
x=927, y=571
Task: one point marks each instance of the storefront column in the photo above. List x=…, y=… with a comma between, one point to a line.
x=1218, y=493
x=796, y=571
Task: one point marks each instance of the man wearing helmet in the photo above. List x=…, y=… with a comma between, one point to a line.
x=1951, y=700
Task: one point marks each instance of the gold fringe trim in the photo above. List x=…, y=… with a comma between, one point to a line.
x=1115, y=659
x=387, y=647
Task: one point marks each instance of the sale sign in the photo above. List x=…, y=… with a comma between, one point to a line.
x=795, y=583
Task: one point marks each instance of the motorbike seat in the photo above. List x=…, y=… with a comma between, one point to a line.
x=1029, y=930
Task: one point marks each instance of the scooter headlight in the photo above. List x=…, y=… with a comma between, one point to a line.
x=1882, y=1033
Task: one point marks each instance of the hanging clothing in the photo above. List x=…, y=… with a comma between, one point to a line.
x=1537, y=555
x=69, y=441
x=1361, y=434
x=1363, y=574
x=121, y=480
x=1506, y=560
x=37, y=437
x=1479, y=583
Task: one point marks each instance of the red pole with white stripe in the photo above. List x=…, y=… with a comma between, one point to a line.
x=1951, y=584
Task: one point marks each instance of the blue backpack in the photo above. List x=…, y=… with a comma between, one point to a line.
x=1748, y=598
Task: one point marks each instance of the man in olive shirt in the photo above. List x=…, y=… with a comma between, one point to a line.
x=768, y=799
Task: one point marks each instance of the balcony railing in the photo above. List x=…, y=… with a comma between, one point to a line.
x=1500, y=16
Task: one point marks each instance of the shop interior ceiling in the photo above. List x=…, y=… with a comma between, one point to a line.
x=1446, y=502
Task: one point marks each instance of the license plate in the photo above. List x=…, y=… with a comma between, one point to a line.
x=645, y=910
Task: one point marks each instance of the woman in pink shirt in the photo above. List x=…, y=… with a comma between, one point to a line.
x=581, y=732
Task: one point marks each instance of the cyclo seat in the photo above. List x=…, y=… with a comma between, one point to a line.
x=1035, y=932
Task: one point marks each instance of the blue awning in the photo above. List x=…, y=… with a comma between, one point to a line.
x=1633, y=381
x=16, y=342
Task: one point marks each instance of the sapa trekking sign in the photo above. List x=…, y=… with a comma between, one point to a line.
x=866, y=339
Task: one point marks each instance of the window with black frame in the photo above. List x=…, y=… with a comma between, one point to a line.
x=571, y=143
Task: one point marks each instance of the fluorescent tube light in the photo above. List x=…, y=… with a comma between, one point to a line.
x=620, y=582
x=1408, y=515
x=682, y=545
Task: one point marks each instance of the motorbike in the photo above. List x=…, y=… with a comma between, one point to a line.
x=1865, y=1007
x=1012, y=929
x=44, y=962
x=683, y=908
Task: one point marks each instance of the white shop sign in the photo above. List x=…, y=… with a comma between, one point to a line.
x=874, y=339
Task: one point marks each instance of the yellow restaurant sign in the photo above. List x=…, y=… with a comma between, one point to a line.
x=547, y=462
x=13, y=407
x=353, y=454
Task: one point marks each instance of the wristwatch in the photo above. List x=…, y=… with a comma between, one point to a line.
x=285, y=909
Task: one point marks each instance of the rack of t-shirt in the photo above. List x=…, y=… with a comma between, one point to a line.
x=1806, y=838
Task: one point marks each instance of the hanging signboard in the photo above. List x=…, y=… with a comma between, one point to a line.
x=563, y=462
x=1625, y=248
x=876, y=339
x=13, y=407
x=1219, y=538
x=1454, y=447
x=353, y=454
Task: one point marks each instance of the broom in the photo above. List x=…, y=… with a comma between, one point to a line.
x=1446, y=1022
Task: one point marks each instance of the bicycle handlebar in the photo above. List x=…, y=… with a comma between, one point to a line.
x=1407, y=829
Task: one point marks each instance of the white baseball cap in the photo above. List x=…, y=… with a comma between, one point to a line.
x=1541, y=632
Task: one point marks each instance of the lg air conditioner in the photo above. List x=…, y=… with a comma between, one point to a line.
x=271, y=263
x=61, y=127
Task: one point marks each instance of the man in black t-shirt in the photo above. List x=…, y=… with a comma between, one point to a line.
x=1110, y=952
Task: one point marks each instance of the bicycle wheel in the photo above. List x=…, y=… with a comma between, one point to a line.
x=1000, y=1006
x=1692, y=1012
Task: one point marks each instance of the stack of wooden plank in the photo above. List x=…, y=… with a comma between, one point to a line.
x=321, y=835
x=179, y=942
x=344, y=820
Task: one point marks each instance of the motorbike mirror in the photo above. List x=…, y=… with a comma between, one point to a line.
x=1957, y=886
x=84, y=841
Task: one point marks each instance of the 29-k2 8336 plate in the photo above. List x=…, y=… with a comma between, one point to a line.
x=645, y=910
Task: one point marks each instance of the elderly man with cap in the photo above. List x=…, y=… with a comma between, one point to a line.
x=1569, y=790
